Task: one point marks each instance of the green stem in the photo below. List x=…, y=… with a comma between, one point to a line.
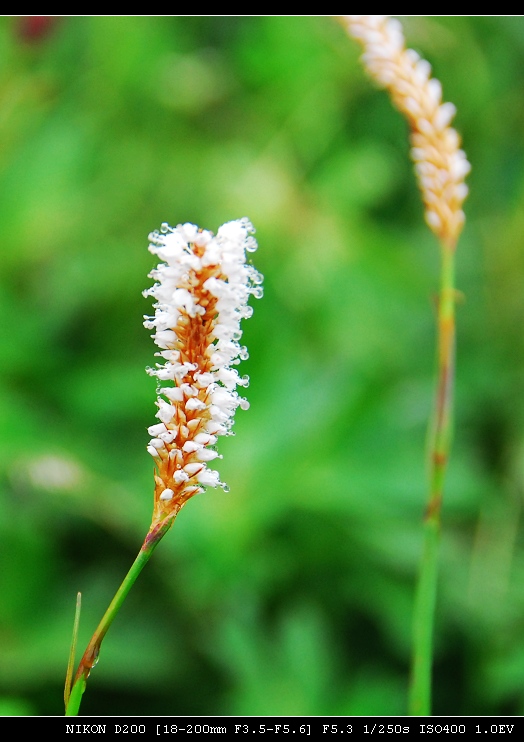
x=439, y=444
x=72, y=650
x=90, y=656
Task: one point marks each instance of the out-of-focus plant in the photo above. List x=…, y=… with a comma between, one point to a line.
x=441, y=167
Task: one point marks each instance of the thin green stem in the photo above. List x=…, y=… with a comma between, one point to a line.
x=90, y=656
x=439, y=445
x=72, y=650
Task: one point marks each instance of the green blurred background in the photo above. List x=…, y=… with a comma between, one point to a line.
x=293, y=593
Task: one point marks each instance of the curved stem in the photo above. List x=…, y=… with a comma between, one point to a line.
x=90, y=656
x=439, y=444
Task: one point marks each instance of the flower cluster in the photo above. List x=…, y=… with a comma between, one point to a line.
x=440, y=164
x=201, y=289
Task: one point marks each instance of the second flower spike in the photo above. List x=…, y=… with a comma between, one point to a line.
x=201, y=288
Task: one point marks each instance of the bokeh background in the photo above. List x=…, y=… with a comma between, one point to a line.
x=293, y=593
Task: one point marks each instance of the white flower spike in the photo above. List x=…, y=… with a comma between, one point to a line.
x=201, y=290
x=440, y=164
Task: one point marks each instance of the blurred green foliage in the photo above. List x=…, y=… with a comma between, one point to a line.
x=293, y=593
